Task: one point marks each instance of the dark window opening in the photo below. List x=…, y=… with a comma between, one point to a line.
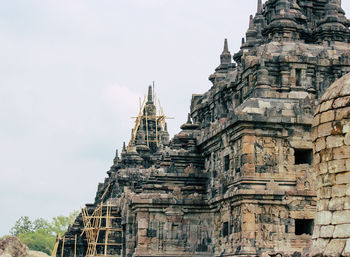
x=226, y=162
x=298, y=77
x=303, y=156
x=151, y=233
x=225, y=229
x=304, y=227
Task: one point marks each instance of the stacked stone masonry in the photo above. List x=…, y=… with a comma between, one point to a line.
x=238, y=179
x=331, y=135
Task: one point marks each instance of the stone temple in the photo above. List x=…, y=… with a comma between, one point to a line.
x=238, y=179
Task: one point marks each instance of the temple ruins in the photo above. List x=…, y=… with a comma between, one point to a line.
x=238, y=179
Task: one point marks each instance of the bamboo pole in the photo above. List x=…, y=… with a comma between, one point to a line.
x=105, y=192
x=107, y=231
x=54, y=251
x=156, y=125
x=62, y=249
x=75, y=245
x=147, y=130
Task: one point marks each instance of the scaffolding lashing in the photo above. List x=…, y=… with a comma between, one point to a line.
x=103, y=231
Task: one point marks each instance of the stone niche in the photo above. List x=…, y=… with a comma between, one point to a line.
x=331, y=137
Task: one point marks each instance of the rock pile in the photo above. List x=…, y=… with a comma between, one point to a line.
x=13, y=247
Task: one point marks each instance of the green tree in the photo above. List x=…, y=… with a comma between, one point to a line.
x=40, y=235
x=60, y=224
x=40, y=240
x=41, y=224
x=23, y=225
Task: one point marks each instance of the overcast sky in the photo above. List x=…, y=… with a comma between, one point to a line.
x=71, y=73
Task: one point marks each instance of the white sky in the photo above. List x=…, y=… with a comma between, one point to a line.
x=71, y=72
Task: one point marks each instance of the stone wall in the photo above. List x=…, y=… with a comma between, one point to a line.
x=331, y=137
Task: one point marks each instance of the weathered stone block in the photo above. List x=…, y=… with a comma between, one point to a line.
x=342, y=152
x=347, y=139
x=323, y=167
x=326, y=155
x=341, y=217
x=316, y=159
x=336, y=166
x=346, y=128
x=320, y=144
x=329, y=179
x=327, y=116
x=324, y=217
x=325, y=129
x=326, y=231
x=347, y=203
x=322, y=204
x=342, y=231
x=142, y=224
x=346, y=251
x=343, y=178
x=339, y=190
x=319, y=246
x=335, y=247
x=314, y=134
x=316, y=232
x=336, y=204
x=248, y=148
x=341, y=102
x=337, y=128
x=316, y=121
x=248, y=139
x=335, y=141
x=326, y=105
x=342, y=113
x=325, y=192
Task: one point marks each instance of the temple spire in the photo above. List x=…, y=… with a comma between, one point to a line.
x=252, y=33
x=334, y=26
x=260, y=6
x=225, y=46
x=150, y=95
x=225, y=57
x=116, y=159
x=251, y=22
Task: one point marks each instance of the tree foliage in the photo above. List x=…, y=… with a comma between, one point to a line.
x=40, y=234
x=40, y=240
x=23, y=225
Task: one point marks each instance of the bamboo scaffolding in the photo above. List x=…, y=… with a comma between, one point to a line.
x=101, y=220
x=137, y=123
x=159, y=120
